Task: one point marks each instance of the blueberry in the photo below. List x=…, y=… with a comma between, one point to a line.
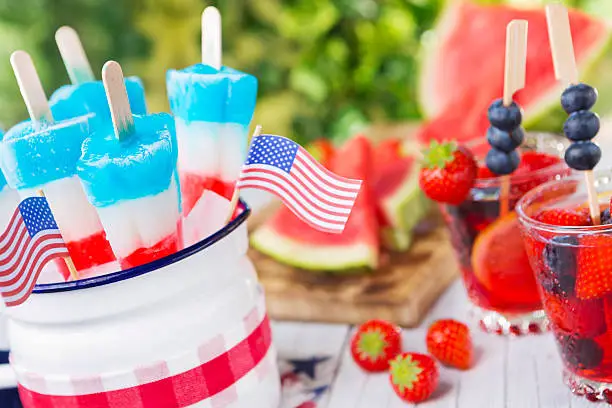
x=502, y=163
x=605, y=216
x=506, y=118
x=505, y=141
x=582, y=155
x=581, y=353
x=581, y=125
x=578, y=97
x=560, y=257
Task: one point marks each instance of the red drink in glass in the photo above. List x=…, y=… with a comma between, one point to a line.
x=573, y=266
x=494, y=266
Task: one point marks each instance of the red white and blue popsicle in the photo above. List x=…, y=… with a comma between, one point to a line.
x=130, y=177
x=213, y=106
x=40, y=156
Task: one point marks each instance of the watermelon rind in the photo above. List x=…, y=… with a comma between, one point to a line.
x=339, y=259
x=404, y=210
x=546, y=114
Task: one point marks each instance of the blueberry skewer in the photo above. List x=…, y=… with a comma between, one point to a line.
x=505, y=133
x=582, y=125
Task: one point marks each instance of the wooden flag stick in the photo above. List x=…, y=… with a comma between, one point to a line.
x=211, y=37
x=73, y=55
x=514, y=79
x=67, y=259
x=31, y=88
x=236, y=194
x=566, y=71
x=116, y=94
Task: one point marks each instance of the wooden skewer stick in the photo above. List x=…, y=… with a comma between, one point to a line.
x=73, y=55
x=514, y=79
x=31, y=88
x=211, y=37
x=566, y=71
x=67, y=259
x=236, y=194
x=38, y=107
x=116, y=94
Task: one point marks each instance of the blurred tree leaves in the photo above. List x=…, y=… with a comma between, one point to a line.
x=108, y=32
x=326, y=67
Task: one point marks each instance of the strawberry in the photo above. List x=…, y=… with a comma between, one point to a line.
x=448, y=172
x=414, y=377
x=374, y=343
x=565, y=217
x=451, y=343
x=594, y=275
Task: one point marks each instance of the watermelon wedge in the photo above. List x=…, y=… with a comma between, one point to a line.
x=462, y=72
x=401, y=203
x=289, y=240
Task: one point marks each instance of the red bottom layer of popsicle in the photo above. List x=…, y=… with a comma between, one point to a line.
x=87, y=253
x=168, y=246
x=193, y=186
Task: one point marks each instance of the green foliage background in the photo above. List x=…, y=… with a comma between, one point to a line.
x=326, y=67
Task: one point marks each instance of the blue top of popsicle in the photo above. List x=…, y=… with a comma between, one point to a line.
x=31, y=156
x=203, y=93
x=143, y=164
x=2, y=181
x=70, y=101
x=2, y=178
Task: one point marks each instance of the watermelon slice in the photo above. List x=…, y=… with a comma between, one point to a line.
x=463, y=69
x=401, y=203
x=289, y=240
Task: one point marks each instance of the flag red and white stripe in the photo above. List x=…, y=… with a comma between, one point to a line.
x=316, y=195
x=30, y=241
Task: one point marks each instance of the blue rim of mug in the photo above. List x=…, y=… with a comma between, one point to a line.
x=151, y=266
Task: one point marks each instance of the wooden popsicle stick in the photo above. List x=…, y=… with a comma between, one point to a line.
x=31, y=88
x=514, y=80
x=566, y=71
x=73, y=55
x=67, y=259
x=516, y=59
x=236, y=194
x=561, y=44
x=211, y=37
x=116, y=94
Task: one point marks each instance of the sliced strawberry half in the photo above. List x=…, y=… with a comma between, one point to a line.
x=594, y=276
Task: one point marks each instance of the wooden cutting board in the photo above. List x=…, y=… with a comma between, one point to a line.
x=402, y=290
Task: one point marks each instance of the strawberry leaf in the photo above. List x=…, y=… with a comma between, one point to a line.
x=439, y=154
x=405, y=372
x=372, y=344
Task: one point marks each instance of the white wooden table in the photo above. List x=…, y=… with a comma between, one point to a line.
x=509, y=372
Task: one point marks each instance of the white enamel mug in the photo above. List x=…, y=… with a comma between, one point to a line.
x=187, y=330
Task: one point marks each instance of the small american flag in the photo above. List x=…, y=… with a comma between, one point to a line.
x=316, y=195
x=30, y=241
